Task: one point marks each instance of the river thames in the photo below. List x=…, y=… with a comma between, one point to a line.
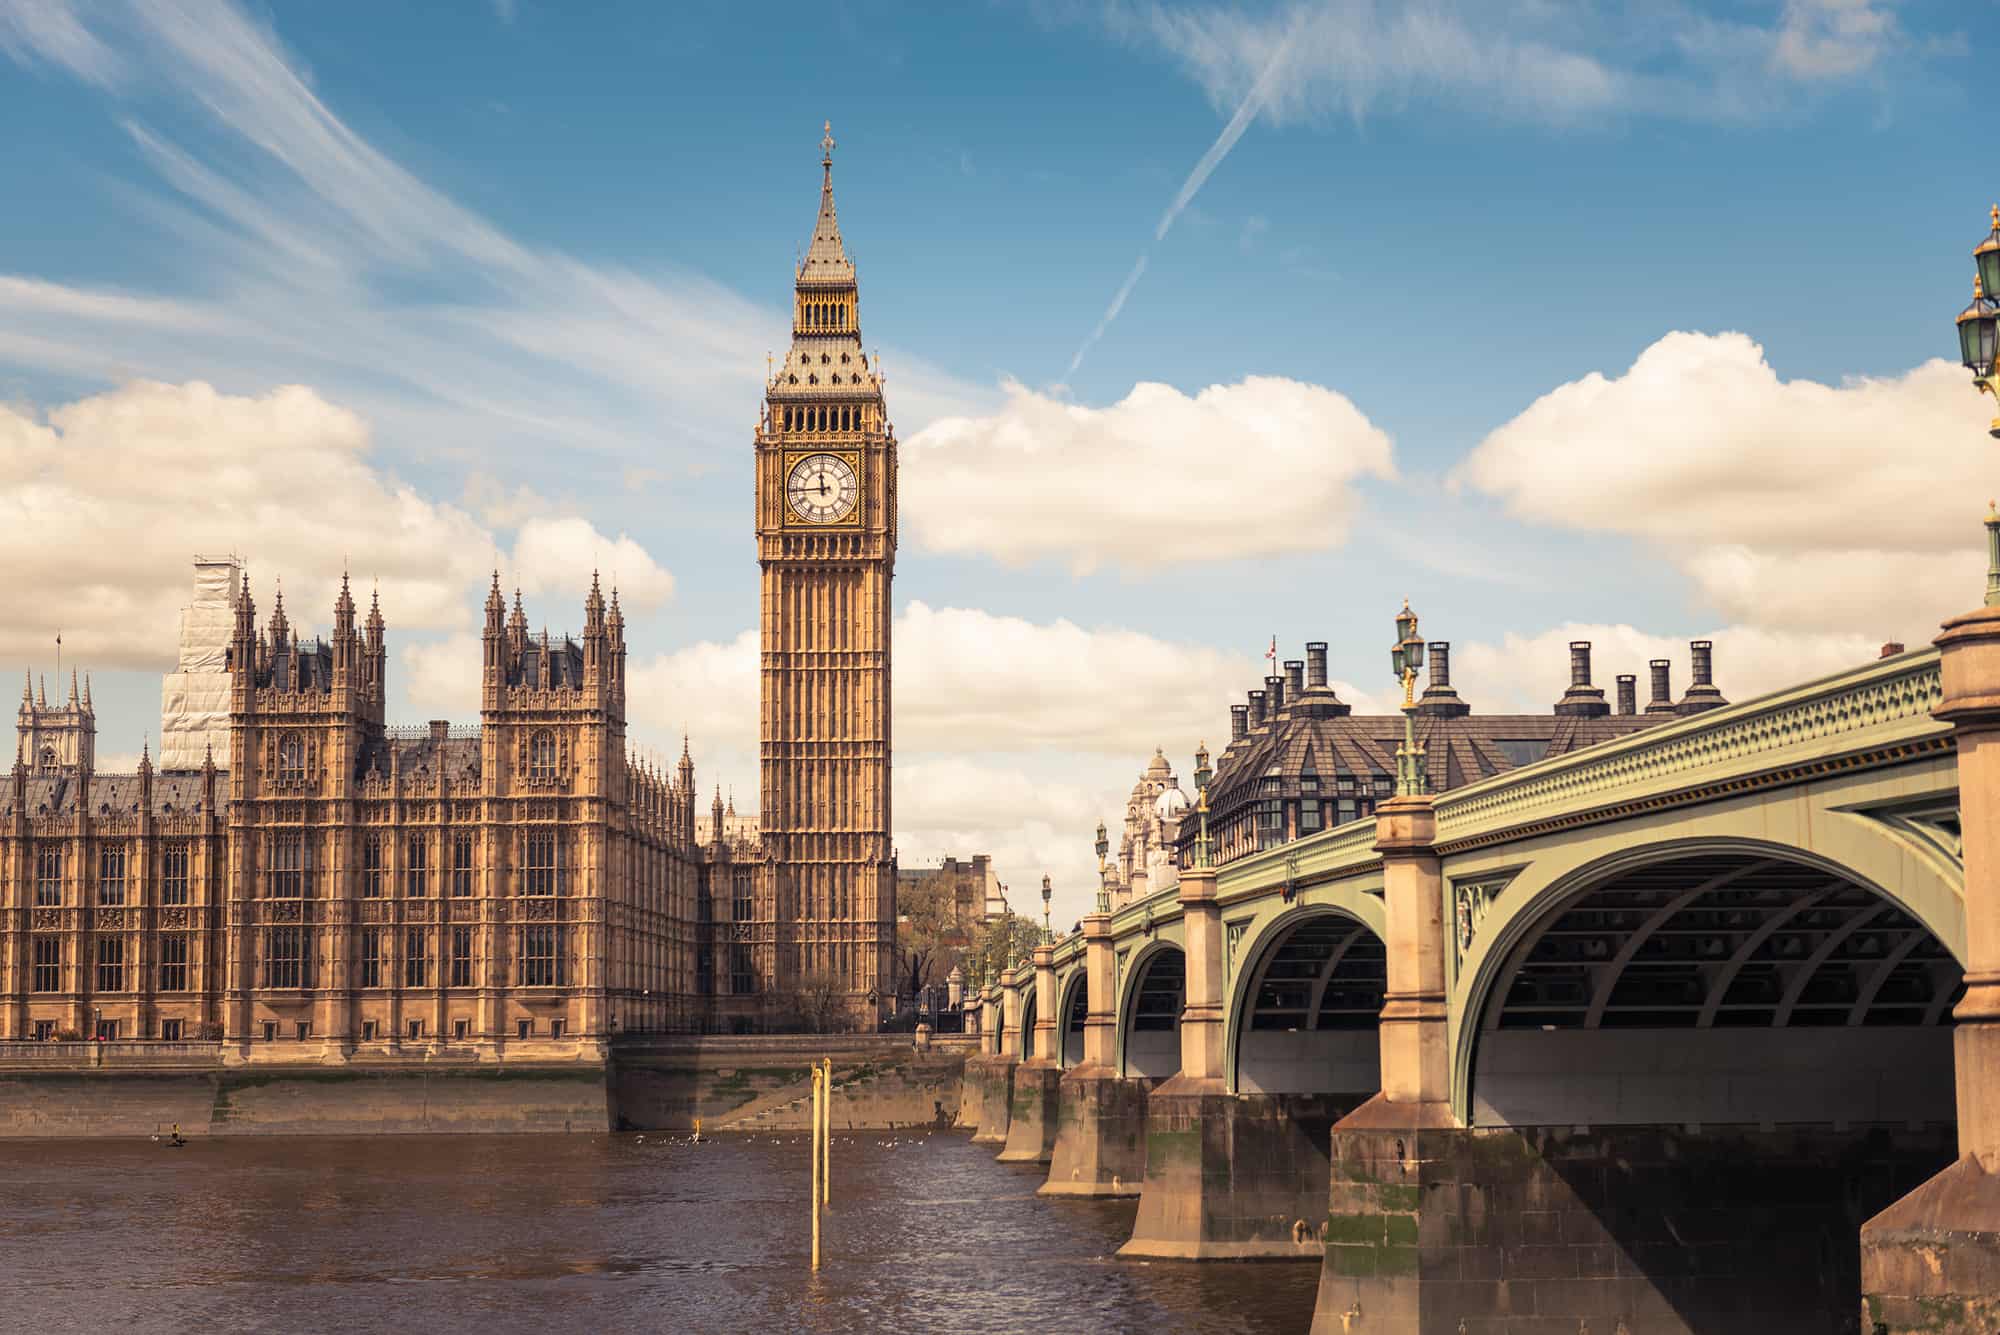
x=552, y=1234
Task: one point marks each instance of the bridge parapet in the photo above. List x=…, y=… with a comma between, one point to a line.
x=1881, y=711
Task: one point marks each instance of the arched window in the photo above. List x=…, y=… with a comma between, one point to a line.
x=542, y=755
x=292, y=759
x=48, y=757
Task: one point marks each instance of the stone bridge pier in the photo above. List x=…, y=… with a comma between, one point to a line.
x=986, y=1074
x=996, y=1073
x=1100, y=1143
x=1931, y=1261
x=1031, y=1128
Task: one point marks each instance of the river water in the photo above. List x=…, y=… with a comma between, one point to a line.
x=600, y=1233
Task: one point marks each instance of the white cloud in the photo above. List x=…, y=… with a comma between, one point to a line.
x=310, y=255
x=1032, y=824
x=1528, y=673
x=52, y=30
x=105, y=501
x=1791, y=505
x=441, y=676
x=1257, y=468
x=970, y=681
x=1830, y=39
x=559, y=555
x=1561, y=64
x=1347, y=55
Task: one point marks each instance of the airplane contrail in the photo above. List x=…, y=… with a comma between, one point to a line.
x=1253, y=102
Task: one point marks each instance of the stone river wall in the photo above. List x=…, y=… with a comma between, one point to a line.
x=765, y=1083
x=63, y=1090
x=306, y=1101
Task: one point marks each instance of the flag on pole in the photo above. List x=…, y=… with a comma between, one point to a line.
x=1272, y=654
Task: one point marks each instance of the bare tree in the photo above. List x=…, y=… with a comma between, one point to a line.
x=820, y=1004
x=928, y=936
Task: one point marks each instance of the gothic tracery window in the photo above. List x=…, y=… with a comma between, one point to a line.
x=292, y=759
x=542, y=755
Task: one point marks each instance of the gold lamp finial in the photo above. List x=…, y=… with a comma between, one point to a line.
x=1996, y=217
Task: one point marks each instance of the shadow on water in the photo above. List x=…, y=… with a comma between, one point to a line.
x=547, y=1234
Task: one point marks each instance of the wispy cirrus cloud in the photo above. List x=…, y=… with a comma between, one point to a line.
x=314, y=256
x=1521, y=60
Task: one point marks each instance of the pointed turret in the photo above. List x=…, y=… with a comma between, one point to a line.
x=86, y=693
x=280, y=627
x=343, y=613
x=593, y=607
x=686, y=766
x=72, y=689
x=496, y=607
x=27, y=690
x=42, y=693
x=717, y=814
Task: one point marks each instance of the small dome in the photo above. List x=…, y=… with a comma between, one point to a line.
x=1171, y=804
x=1159, y=768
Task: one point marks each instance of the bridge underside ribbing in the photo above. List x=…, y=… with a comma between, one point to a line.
x=1727, y=988
x=1695, y=1079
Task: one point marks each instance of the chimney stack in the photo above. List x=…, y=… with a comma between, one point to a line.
x=1257, y=714
x=1439, y=700
x=1581, y=700
x=1316, y=664
x=1663, y=694
x=440, y=729
x=1274, y=694
x=1702, y=694
x=1892, y=648
x=1239, y=722
x=1295, y=679
x=1628, y=693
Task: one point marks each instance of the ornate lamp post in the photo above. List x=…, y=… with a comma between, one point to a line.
x=1048, y=935
x=1407, y=657
x=1202, y=775
x=1977, y=322
x=1978, y=331
x=1103, y=885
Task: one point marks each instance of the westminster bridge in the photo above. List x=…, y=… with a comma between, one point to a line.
x=1672, y=1033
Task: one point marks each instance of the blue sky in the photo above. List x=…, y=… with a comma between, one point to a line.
x=532, y=255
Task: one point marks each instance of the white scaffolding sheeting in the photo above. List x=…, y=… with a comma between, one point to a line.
x=194, y=701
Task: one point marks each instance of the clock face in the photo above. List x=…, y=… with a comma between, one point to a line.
x=821, y=488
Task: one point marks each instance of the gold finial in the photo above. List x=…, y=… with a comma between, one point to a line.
x=1992, y=513
x=826, y=144
x=1996, y=217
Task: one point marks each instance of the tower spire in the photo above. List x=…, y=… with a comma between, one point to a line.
x=826, y=258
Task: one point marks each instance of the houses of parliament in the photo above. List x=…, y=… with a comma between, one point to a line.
x=299, y=878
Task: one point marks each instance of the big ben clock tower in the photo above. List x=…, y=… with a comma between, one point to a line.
x=826, y=540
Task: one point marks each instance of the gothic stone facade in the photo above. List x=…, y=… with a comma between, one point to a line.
x=334, y=887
